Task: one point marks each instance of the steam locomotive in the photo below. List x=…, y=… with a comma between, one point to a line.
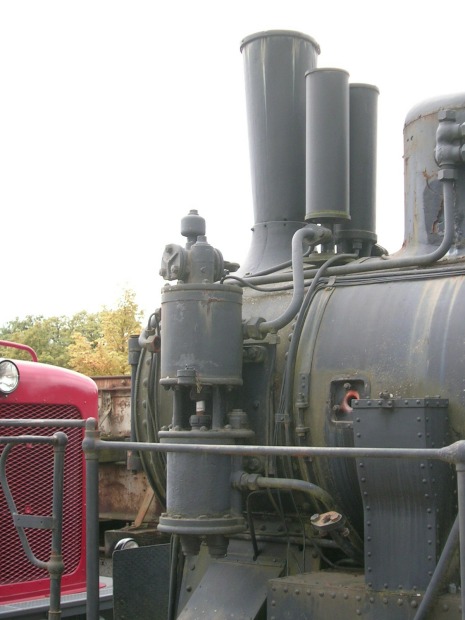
x=319, y=340
x=306, y=409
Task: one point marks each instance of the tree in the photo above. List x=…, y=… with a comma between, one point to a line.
x=49, y=337
x=93, y=344
x=107, y=354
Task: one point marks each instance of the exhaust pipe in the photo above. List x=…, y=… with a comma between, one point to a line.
x=275, y=64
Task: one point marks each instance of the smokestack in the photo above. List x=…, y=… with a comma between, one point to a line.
x=360, y=232
x=275, y=64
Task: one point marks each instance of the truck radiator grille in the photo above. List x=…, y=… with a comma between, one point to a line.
x=29, y=472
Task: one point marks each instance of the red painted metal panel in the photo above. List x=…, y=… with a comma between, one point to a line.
x=45, y=392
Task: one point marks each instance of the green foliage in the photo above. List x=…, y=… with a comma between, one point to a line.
x=93, y=344
x=107, y=354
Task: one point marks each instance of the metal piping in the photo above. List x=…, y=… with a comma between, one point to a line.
x=316, y=235
x=252, y=482
x=386, y=263
x=243, y=481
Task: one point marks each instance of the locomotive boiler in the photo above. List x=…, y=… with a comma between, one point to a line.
x=319, y=340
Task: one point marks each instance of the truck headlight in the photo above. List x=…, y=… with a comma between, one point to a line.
x=9, y=376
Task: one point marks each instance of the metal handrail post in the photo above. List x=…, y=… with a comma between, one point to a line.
x=55, y=564
x=460, y=468
x=92, y=518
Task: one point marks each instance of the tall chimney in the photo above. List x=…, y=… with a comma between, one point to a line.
x=275, y=64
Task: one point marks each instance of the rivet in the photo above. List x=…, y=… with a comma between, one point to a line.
x=297, y=591
x=413, y=604
x=400, y=602
x=273, y=603
x=358, y=597
x=308, y=591
x=333, y=594
x=321, y=594
x=286, y=589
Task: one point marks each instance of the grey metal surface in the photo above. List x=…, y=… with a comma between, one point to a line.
x=326, y=595
x=424, y=219
x=399, y=335
x=202, y=333
x=275, y=64
x=361, y=229
x=406, y=503
x=327, y=146
x=232, y=588
x=141, y=583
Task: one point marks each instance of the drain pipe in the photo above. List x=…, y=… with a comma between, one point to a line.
x=315, y=235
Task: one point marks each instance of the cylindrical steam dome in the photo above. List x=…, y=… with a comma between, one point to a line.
x=424, y=209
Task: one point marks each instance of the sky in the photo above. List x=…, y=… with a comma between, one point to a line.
x=117, y=118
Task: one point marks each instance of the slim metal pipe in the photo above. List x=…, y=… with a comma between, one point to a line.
x=439, y=573
x=253, y=481
x=89, y=445
x=447, y=454
x=43, y=423
x=460, y=468
x=316, y=235
x=56, y=566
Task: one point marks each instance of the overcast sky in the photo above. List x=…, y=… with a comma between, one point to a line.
x=117, y=118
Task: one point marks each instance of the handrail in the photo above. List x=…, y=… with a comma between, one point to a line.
x=54, y=522
x=453, y=454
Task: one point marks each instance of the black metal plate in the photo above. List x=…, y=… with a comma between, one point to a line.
x=141, y=583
